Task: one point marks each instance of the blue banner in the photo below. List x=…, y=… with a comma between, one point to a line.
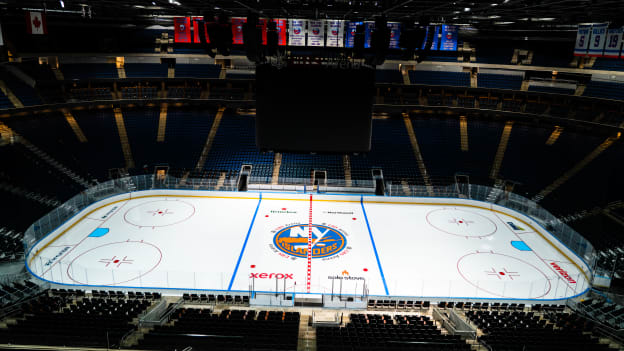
x=351, y=33
x=395, y=34
x=449, y=38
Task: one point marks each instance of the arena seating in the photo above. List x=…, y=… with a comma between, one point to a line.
x=25, y=93
x=547, y=59
x=548, y=89
x=301, y=165
x=388, y=76
x=184, y=92
x=389, y=138
x=608, y=64
x=229, y=330
x=595, y=185
x=143, y=70
x=91, y=94
x=5, y=102
x=185, y=136
x=383, y=332
x=438, y=140
x=197, y=71
x=30, y=172
x=139, y=92
x=238, y=75
x=11, y=245
x=440, y=78
x=527, y=330
x=605, y=90
x=606, y=236
x=499, y=81
x=604, y=311
x=235, y=145
x=142, y=128
x=66, y=321
x=100, y=129
x=89, y=71
x=529, y=143
x=500, y=56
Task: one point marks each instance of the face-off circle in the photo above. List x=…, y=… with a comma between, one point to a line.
x=503, y=275
x=159, y=213
x=114, y=263
x=461, y=223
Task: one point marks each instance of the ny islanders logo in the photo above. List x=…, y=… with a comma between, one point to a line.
x=297, y=30
x=293, y=240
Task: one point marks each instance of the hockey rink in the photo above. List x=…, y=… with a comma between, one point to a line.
x=384, y=246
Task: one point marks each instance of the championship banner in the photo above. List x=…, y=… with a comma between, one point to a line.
x=351, y=26
x=281, y=31
x=613, y=43
x=1, y=40
x=582, y=40
x=182, y=26
x=598, y=38
x=449, y=38
x=36, y=23
x=196, y=29
x=395, y=34
x=237, y=30
x=335, y=33
x=369, y=27
x=316, y=33
x=297, y=32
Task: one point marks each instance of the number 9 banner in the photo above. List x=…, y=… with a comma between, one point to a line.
x=582, y=40
x=598, y=39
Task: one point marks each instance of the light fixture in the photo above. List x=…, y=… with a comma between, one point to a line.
x=466, y=9
x=62, y=3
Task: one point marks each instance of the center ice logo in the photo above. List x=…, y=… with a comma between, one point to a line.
x=326, y=241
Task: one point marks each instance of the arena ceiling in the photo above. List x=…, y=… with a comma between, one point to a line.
x=536, y=14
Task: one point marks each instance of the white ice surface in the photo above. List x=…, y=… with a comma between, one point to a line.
x=396, y=246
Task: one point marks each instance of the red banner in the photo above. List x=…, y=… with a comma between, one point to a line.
x=281, y=31
x=196, y=30
x=182, y=26
x=237, y=30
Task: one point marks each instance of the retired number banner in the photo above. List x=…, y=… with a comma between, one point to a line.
x=598, y=38
x=582, y=40
x=613, y=43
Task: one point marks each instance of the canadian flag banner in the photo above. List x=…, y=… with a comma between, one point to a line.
x=36, y=23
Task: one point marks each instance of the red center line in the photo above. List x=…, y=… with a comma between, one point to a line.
x=309, y=277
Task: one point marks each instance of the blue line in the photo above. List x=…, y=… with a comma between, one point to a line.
x=383, y=278
x=244, y=244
